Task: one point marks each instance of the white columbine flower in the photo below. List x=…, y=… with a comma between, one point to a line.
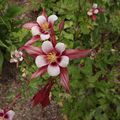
x=41, y=27
x=16, y=56
x=6, y=115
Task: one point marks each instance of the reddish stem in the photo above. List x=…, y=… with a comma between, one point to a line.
x=52, y=35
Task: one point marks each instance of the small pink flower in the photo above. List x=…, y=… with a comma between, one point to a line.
x=94, y=11
x=16, y=56
x=6, y=115
x=42, y=97
x=40, y=28
x=54, y=60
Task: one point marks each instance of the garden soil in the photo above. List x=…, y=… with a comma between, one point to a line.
x=23, y=109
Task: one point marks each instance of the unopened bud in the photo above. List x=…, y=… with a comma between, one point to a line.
x=61, y=25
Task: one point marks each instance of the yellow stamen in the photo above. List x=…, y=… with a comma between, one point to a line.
x=52, y=57
x=45, y=26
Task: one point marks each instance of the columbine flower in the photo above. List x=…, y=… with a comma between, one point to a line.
x=16, y=56
x=93, y=11
x=40, y=28
x=42, y=97
x=54, y=59
x=6, y=115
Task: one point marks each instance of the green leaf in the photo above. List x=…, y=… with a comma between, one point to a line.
x=87, y=70
x=84, y=29
x=2, y=44
x=13, y=11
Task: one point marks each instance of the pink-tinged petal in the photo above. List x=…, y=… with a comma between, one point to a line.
x=89, y=13
x=61, y=25
x=39, y=72
x=64, y=61
x=13, y=60
x=10, y=114
x=52, y=34
x=94, y=17
x=44, y=13
x=35, y=30
x=60, y=47
x=53, y=70
x=76, y=53
x=1, y=112
x=101, y=10
x=95, y=5
x=33, y=51
x=64, y=79
x=52, y=18
x=29, y=25
x=40, y=61
x=45, y=36
x=21, y=59
x=41, y=19
x=33, y=40
x=21, y=53
x=96, y=11
x=47, y=47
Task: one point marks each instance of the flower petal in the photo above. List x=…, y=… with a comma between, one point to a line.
x=44, y=13
x=60, y=47
x=65, y=79
x=21, y=59
x=64, y=61
x=47, y=47
x=40, y=61
x=21, y=53
x=29, y=25
x=95, y=5
x=13, y=60
x=10, y=114
x=39, y=72
x=75, y=54
x=41, y=19
x=61, y=25
x=94, y=17
x=1, y=112
x=35, y=30
x=33, y=40
x=89, y=13
x=53, y=37
x=52, y=18
x=96, y=11
x=45, y=36
x=42, y=97
x=32, y=50
x=53, y=70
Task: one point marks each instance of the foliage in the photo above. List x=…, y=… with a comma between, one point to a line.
x=8, y=26
x=94, y=86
